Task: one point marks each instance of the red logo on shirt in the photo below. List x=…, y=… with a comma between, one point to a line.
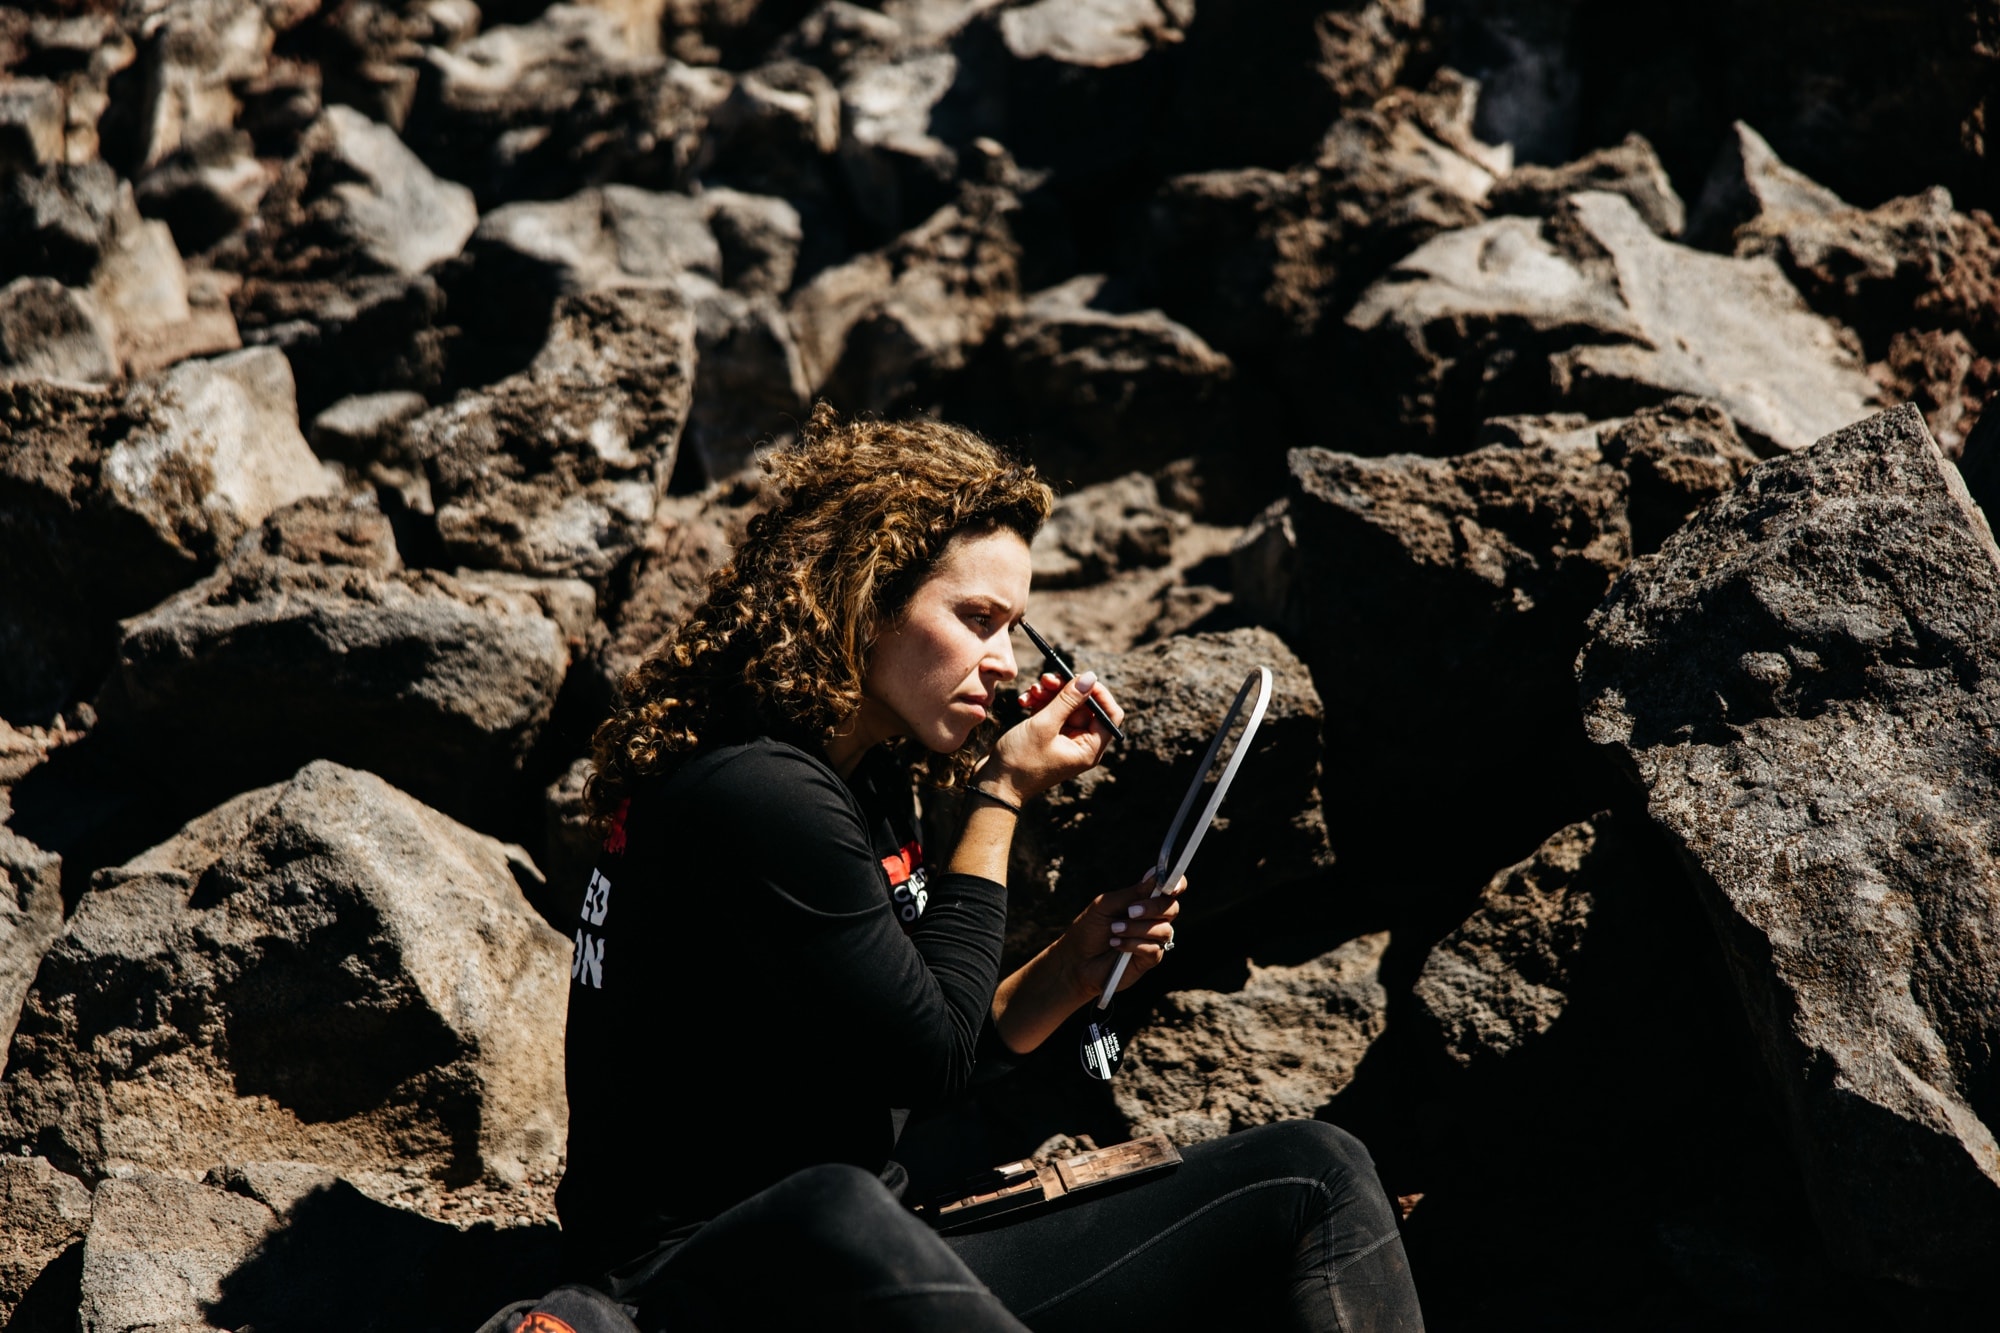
x=614, y=839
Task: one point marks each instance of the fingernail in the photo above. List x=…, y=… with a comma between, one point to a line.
x=1136, y=909
x=1086, y=682
x=1117, y=927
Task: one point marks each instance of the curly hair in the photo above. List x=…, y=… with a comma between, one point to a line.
x=863, y=511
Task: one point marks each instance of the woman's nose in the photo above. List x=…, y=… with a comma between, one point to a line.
x=1001, y=655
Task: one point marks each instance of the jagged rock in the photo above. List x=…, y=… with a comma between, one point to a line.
x=47, y=1213
x=359, y=428
x=1591, y=311
x=57, y=222
x=439, y=684
x=206, y=189
x=1118, y=389
x=1748, y=181
x=159, y=1251
x=31, y=914
x=616, y=236
x=1111, y=526
x=52, y=332
x=692, y=538
x=370, y=53
x=386, y=204
x=1801, y=679
x=897, y=171
x=1443, y=601
x=80, y=53
x=1631, y=169
x=350, y=334
x=322, y=971
x=707, y=32
x=885, y=326
x=1911, y=263
x=31, y=122
x=198, y=48
x=1101, y=831
x=1504, y=976
x=750, y=382
x=160, y=317
x=759, y=237
x=1210, y=1063
x=557, y=471
x=1946, y=377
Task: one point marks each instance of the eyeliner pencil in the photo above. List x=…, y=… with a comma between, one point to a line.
x=1048, y=650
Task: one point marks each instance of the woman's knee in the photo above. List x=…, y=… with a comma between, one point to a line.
x=1314, y=1148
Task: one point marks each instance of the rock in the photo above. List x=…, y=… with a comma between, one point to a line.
x=215, y=447
x=886, y=326
x=1911, y=263
x=206, y=190
x=31, y=122
x=750, y=382
x=897, y=171
x=198, y=49
x=692, y=538
x=31, y=915
x=1799, y=678
x=52, y=332
x=356, y=429
x=1630, y=169
x=1748, y=181
x=345, y=335
x=159, y=1251
x=1503, y=977
x=1117, y=390
x=1210, y=1063
x=320, y=971
x=58, y=222
x=1111, y=526
x=556, y=471
x=47, y=1214
x=386, y=204
x=161, y=316
x=1443, y=601
x=79, y=54
x=726, y=32
x=439, y=684
x=616, y=236
x=1101, y=831
x=1592, y=312
x=776, y=134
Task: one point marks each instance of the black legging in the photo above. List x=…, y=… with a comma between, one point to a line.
x=1279, y=1227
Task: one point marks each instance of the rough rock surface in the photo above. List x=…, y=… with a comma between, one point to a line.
x=1101, y=831
x=31, y=913
x=1748, y=181
x=1111, y=526
x=1802, y=678
x=1631, y=169
x=1210, y=1063
x=47, y=1213
x=1592, y=312
x=557, y=471
x=52, y=332
x=320, y=971
x=438, y=683
x=160, y=1249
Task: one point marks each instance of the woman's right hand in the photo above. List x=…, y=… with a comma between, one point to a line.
x=1060, y=738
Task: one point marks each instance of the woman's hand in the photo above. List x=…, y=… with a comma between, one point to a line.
x=1073, y=971
x=1060, y=738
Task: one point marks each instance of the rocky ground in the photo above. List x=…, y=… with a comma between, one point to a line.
x=1575, y=403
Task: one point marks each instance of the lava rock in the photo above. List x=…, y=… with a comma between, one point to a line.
x=1088, y=837
x=438, y=683
x=47, y=1215
x=1631, y=169
x=160, y=1250
x=1749, y=181
x=320, y=971
x=1800, y=678
x=57, y=222
x=1104, y=528
x=556, y=471
x=31, y=913
x=1591, y=311
x=1209, y=1063
x=52, y=332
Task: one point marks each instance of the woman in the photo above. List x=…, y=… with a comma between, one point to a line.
x=768, y=974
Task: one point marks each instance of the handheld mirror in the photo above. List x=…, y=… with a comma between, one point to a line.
x=1100, y=1047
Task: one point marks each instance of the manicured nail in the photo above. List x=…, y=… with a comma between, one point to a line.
x=1136, y=909
x=1086, y=682
x=1117, y=927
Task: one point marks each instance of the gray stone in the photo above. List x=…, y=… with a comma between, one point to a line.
x=1101, y=831
x=1100, y=529
x=1631, y=169
x=1210, y=1063
x=1802, y=678
x=750, y=380
x=1747, y=181
x=557, y=471
x=1095, y=34
x=31, y=122
x=198, y=49
x=439, y=684
x=322, y=971
x=52, y=332
x=355, y=429
x=207, y=189
x=47, y=1212
x=615, y=236
x=31, y=915
x=58, y=221
x=758, y=236
x=215, y=447
x=390, y=207
x=1590, y=311
x=158, y=1252
x=160, y=316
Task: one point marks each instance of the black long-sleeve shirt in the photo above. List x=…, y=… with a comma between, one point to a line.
x=762, y=972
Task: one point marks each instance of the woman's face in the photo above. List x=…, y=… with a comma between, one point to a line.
x=933, y=676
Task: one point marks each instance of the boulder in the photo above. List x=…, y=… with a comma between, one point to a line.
x=31, y=915
x=557, y=471
x=1631, y=169
x=197, y=50
x=206, y=190
x=1801, y=679
x=52, y=332
x=1948, y=379
x=1102, y=831
x=1209, y=1063
x=47, y=1214
x=385, y=204
x=359, y=428
x=366, y=333
x=57, y=222
x=159, y=1251
x=440, y=684
x=31, y=121
x=1748, y=181
x=1591, y=311
x=750, y=382
x=886, y=326
x=1442, y=602
x=80, y=53
x=322, y=971
x=897, y=170
x=1095, y=531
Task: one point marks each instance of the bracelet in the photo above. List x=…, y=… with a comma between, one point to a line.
x=997, y=800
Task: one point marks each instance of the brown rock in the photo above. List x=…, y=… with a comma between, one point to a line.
x=47, y=1213
x=1631, y=168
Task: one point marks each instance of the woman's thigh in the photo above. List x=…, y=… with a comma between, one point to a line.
x=1255, y=1230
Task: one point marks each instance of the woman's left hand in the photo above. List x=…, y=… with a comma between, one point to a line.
x=1126, y=921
